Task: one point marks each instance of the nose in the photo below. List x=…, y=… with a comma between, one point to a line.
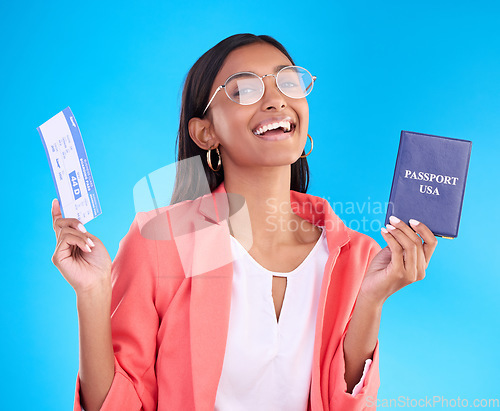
x=273, y=98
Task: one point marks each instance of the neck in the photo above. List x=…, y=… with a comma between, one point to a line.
x=268, y=216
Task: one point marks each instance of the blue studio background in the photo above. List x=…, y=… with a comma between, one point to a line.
x=382, y=67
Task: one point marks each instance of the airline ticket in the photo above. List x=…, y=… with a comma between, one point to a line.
x=70, y=167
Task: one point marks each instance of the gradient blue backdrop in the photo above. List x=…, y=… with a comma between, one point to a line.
x=426, y=66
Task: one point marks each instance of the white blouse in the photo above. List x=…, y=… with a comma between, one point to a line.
x=268, y=363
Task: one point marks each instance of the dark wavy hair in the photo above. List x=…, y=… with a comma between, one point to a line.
x=189, y=184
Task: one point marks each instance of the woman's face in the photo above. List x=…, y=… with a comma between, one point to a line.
x=234, y=126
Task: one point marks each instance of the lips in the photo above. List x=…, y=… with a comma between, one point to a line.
x=286, y=124
x=275, y=135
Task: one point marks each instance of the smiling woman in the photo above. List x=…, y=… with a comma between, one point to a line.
x=201, y=100
x=276, y=310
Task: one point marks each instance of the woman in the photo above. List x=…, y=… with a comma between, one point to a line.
x=190, y=324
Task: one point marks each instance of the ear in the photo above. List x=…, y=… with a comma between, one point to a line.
x=201, y=132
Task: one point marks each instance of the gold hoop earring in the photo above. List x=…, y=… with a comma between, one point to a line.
x=209, y=159
x=311, y=147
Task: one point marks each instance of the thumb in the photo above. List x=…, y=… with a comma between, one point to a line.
x=56, y=208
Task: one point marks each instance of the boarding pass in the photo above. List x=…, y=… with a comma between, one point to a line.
x=70, y=167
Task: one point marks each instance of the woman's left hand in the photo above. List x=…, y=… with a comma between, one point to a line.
x=402, y=262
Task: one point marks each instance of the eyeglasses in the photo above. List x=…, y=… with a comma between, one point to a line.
x=247, y=88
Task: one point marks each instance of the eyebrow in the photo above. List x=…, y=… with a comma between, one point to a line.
x=278, y=68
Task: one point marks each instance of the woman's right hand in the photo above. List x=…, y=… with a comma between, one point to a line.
x=84, y=264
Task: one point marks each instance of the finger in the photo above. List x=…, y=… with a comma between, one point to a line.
x=74, y=223
x=69, y=239
x=396, y=222
x=91, y=239
x=430, y=240
x=63, y=222
x=72, y=231
x=409, y=251
x=68, y=222
x=396, y=250
x=421, y=264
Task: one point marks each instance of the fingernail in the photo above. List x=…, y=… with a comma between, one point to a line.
x=394, y=220
x=91, y=243
x=82, y=228
x=390, y=227
x=414, y=222
x=88, y=248
x=384, y=230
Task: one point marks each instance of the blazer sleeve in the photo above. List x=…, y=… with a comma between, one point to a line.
x=364, y=394
x=134, y=326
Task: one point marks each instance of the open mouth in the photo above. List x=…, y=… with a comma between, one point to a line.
x=278, y=129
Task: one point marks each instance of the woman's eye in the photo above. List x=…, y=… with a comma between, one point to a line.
x=243, y=91
x=289, y=84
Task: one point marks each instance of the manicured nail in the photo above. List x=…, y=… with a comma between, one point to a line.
x=390, y=227
x=82, y=228
x=91, y=243
x=393, y=219
x=414, y=222
x=88, y=248
x=384, y=230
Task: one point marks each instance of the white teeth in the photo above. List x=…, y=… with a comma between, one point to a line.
x=285, y=124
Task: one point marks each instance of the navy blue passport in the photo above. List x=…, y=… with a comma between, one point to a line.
x=429, y=181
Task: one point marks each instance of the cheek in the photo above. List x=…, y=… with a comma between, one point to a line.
x=303, y=111
x=230, y=122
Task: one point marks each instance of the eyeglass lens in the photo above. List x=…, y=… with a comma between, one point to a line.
x=247, y=88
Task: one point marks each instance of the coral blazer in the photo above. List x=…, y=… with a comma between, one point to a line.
x=171, y=298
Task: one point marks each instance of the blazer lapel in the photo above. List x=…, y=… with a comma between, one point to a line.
x=210, y=300
x=317, y=211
